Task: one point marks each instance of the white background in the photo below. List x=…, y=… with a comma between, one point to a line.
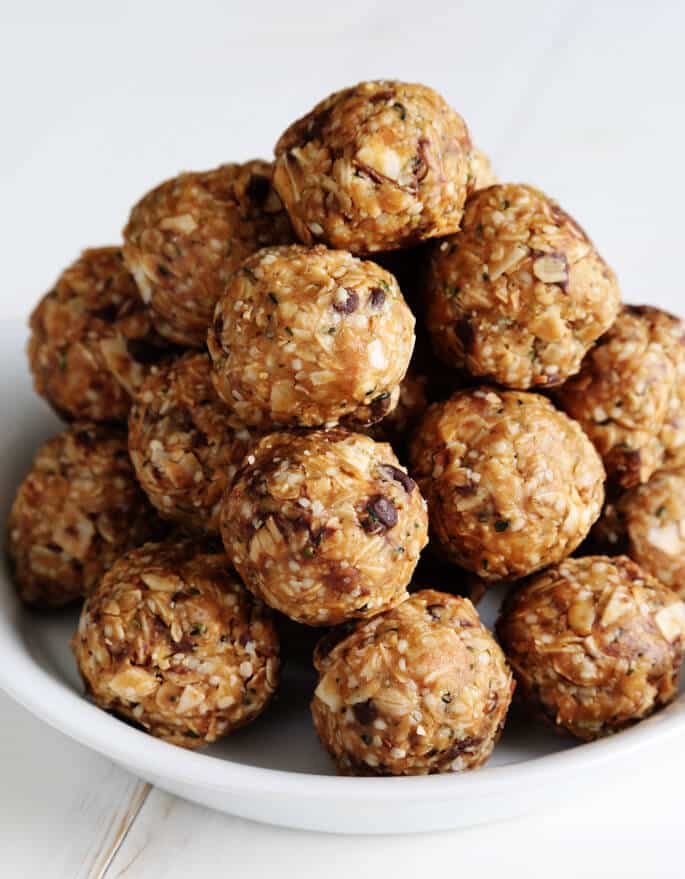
x=101, y=101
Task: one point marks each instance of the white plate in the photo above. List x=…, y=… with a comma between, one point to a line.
x=275, y=770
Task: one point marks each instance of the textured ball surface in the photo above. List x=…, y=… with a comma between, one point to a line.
x=172, y=641
x=512, y=484
x=420, y=689
x=595, y=644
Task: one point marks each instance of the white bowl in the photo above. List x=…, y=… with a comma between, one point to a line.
x=275, y=771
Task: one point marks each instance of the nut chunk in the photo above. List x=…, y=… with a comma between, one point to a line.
x=185, y=443
x=512, y=484
x=324, y=526
x=420, y=689
x=172, y=641
x=625, y=392
x=647, y=523
x=307, y=336
x=186, y=236
x=595, y=643
x=378, y=166
x=75, y=513
x=92, y=341
x=482, y=173
x=520, y=293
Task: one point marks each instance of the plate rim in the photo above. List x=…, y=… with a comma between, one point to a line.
x=53, y=701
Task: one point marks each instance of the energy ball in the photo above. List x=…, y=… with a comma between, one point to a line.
x=92, y=342
x=185, y=443
x=519, y=294
x=379, y=166
x=75, y=513
x=420, y=689
x=647, y=523
x=324, y=526
x=185, y=238
x=173, y=642
x=623, y=393
x=307, y=336
x=512, y=484
x=482, y=173
x=595, y=644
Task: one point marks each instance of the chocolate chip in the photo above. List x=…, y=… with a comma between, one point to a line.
x=365, y=712
x=435, y=611
x=350, y=303
x=384, y=95
x=258, y=188
x=218, y=326
x=469, y=743
x=382, y=514
x=420, y=162
x=400, y=476
x=377, y=298
x=163, y=270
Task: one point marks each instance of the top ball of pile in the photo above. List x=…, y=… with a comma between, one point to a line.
x=379, y=166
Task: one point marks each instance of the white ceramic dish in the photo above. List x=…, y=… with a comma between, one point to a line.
x=275, y=770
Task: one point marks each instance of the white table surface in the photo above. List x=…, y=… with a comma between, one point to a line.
x=99, y=102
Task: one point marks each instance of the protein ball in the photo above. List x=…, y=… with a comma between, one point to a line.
x=308, y=336
x=185, y=443
x=512, y=484
x=520, y=293
x=75, y=513
x=595, y=644
x=92, y=341
x=185, y=238
x=420, y=689
x=379, y=166
x=324, y=526
x=647, y=523
x=481, y=171
x=172, y=641
x=623, y=392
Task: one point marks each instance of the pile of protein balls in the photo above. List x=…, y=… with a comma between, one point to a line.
x=260, y=440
